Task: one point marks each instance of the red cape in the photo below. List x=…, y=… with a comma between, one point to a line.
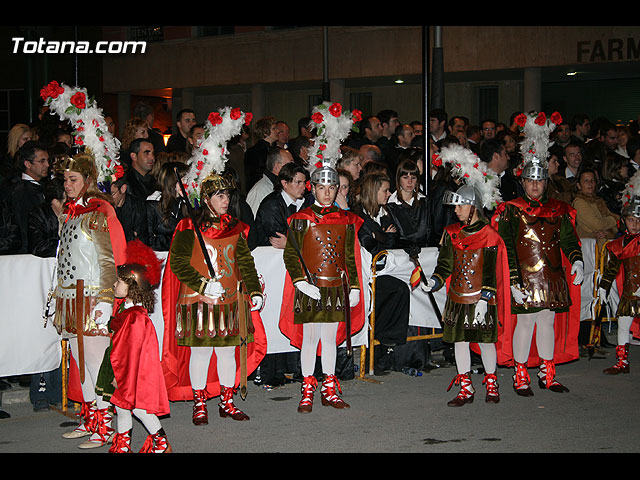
x=135, y=358
x=621, y=252
x=294, y=332
x=487, y=237
x=119, y=246
x=566, y=324
x=175, y=358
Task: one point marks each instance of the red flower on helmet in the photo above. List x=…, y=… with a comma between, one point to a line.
x=317, y=117
x=235, y=113
x=335, y=109
x=541, y=119
x=215, y=118
x=247, y=118
x=521, y=120
x=53, y=90
x=556, y=118
x=79, y=100
x=356, y=115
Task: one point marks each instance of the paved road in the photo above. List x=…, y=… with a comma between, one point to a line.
x=402, y=414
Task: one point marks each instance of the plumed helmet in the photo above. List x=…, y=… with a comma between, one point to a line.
x=82, y=162
x=535, y=170
x=215, y=182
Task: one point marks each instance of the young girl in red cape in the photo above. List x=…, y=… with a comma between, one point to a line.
x=134, y=356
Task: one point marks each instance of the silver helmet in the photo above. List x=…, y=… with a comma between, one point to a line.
x=632, y=208
x=464, y=195
x=325, y=176
x=535, y=170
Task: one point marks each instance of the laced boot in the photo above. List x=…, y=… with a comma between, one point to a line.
x=309, y=385
x=200, y=415
x=522, y=381
x=227, y=408
x=546, y=377
x=121, y=442
x=103, y=431
x=156, y=443
x=88, y=421
x=622, y=365
x=466, y=393
x=329, y=396
x=491, y=381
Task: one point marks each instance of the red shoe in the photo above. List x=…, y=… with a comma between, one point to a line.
x=121, y=442
x=522, y=381
x=227, y=408
x=546, y=377
x=491, y=381
x=329, y=396
x=622, y=365
x=309, y=385
x=156, y=443
x=200, y=414
x=103, y=432
x=88, y=425
x=466, y=393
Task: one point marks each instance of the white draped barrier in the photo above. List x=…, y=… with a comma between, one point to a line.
x=28, y=347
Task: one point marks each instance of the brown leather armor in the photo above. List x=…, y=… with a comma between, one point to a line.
x=631, y=283
x=221, y=318
x=540, y=259
x=322, y=251
x=466, y=278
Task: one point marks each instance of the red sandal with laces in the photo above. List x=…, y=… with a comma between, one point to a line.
x=622, y=365
x=491, y=381
x=103, y=432
x=546, y=377
x=121, y=442
x=466, y=393
x=156, y=443
x=200, y=415
x=88, y=418
x=309, y=385
x=226, y=406
x=328, y=390
x=522, y=381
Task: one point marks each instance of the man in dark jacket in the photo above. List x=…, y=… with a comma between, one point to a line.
x=270, y=227
x=26, y=193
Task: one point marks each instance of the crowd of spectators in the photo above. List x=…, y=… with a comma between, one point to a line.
x=382, y=179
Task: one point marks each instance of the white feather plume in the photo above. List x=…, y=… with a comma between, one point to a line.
x=90, y=127
x=467, y=168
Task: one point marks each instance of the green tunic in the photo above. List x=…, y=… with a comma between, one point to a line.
x=458, y=318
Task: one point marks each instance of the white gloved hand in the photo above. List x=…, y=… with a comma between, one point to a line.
x=213, y=289
x=481, y=310
x=604, y=297
x=429, y=286
x=102, y=313
x=354, y=297
x=577, y=269
x=308, y=289
x=519, y=296
x=256, y=302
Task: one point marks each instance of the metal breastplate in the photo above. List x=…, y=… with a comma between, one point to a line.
x=540, y=261
x=323, y=250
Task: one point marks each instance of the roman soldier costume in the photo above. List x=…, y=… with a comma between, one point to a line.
x=322, y=301
x=210, y=348
x=542, y=245
x=472, y=263
x=623, y=265
x=92, y=245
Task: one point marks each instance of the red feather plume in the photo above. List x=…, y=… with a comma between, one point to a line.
x=138, y=252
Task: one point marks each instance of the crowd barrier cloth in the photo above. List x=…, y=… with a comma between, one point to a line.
x=26, y=346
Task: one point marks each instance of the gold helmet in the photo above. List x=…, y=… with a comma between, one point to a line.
x=82, y=162
x=216, y=182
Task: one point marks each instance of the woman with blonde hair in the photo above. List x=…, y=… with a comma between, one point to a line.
x=134, y=128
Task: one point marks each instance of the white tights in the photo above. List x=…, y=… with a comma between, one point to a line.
x=199, y=366
x=523, y=333
x=312, y=334
x=624, y=325
x=463, y=356
x=94, y=348
x=125, y=420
